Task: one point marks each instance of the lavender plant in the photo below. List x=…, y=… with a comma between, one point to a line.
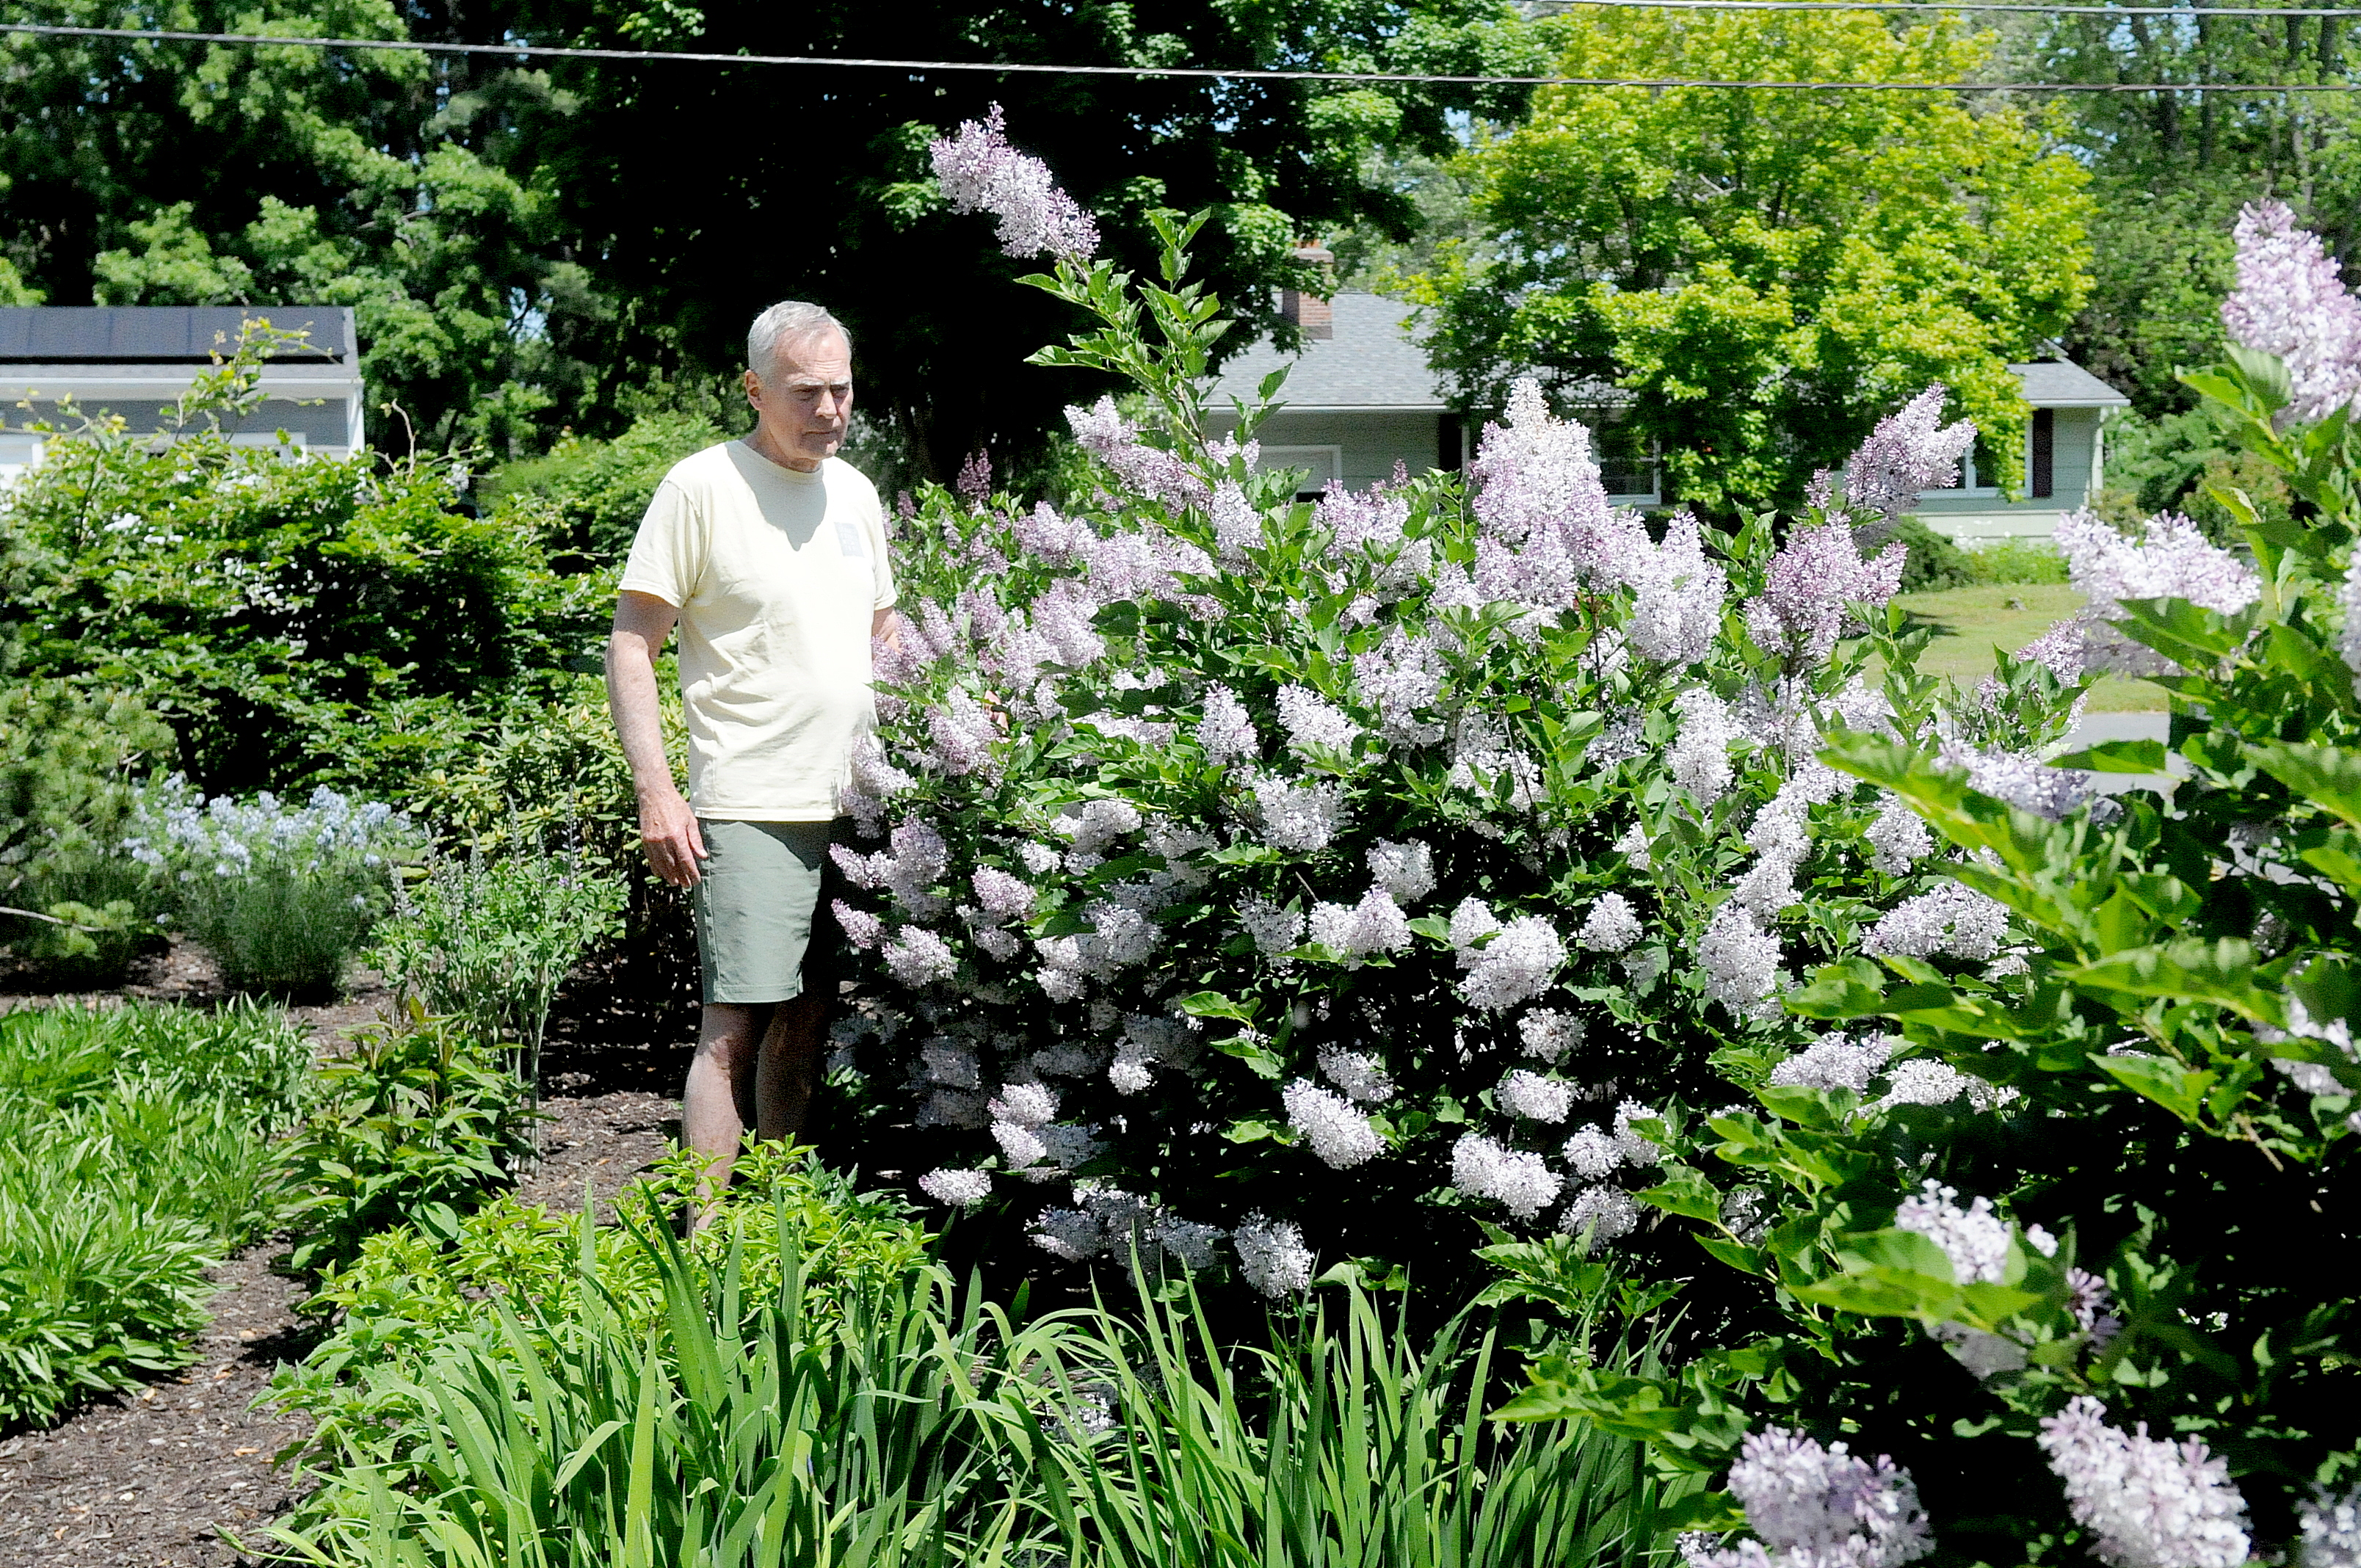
x=1251, y=882
x=2056, y=1233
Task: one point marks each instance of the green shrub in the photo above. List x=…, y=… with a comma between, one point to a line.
x=317, y=620
x=1934, y=562
x=283, y=898
x=419, y=1126
x=68, y=760
x=596, y=490
x=134, y=1152
x=405, y=1294
x=2016, y=561
x=489, y=943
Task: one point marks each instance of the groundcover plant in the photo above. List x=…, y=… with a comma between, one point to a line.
x=1255, y=882
x=2096, y=1306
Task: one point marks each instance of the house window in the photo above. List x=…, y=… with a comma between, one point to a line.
x=1322, y=466
x=1627, y=461
x=2043, y=456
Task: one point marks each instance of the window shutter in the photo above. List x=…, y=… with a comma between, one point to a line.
x=2045, y=452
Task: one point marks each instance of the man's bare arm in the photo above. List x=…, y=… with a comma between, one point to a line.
x=667, y=827
x=885, y=625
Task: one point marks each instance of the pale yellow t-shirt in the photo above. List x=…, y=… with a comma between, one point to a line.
x=777, y=576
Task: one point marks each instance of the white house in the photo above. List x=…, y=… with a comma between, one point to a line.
x=137, y=360
x=1360, y=397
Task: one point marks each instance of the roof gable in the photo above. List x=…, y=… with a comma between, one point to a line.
x=1370, y=363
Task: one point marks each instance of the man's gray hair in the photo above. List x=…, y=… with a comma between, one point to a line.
x=787, y=320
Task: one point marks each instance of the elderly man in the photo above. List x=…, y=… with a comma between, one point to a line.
x=769, y=554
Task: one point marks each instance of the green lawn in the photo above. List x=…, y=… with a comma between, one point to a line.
x=1968, y=621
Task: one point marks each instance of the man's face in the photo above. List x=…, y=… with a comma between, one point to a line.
x=806, y=397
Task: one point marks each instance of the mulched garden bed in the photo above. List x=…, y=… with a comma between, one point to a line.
x=157, y=1478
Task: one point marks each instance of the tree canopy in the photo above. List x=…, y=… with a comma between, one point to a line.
x=522, y=248
x=1758, y=276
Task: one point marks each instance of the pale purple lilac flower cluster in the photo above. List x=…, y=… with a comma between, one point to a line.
x=1818, y=1507
x=980, y=172
x=2291, y=302
x=2147, y=1502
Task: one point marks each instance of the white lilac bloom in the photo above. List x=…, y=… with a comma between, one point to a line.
x=2291, y=301
x=1534, y=1098
x=2023, y=780
x=1025, y=1104
x=979, y=171
x=1406, y=871
x=1911, y=450
x=1095, y=824
x=1067, y=617
x=1898, y=836
x=1339, y=1135
x=2092, y=1305
x=1300, y=818
x=1275, y=929
x=1310, y=721
x=918, y=958
x=1400, y=677
x=956, y=1188
x=1814, y=575
x=1019, y=1145
x=1359, y=1074
x=1699, y=756
x=1740, y=960
x=1186, y=1240
x=1053, y=539
x=1376, y=924
x=1611, y=926
x=1237, y=527
x=1635, y=1149
x=1677, y=598
x=1226, y=733
x=1605, y=1213
x=2149, y=1502
x=951, y=1065
x=1521, y=1182
x=1593, y=1153
x=1634, y=846
x=1974, y=1238
x=1920, y=1082
x=1517, y=965
x=2328, y=1530
x=1039, y=857
x=1070, y=1234
x=1271, y=1255
x=1470, y=923
x=1834, y=1061
x=2173, y=561
x=1952, y=920
x=1822, y=1507
x=1539, y=494
x=1549, y=1034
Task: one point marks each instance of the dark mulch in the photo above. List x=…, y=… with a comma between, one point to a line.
x=154, y=1477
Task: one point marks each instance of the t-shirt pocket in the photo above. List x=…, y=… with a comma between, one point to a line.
x=849, y=540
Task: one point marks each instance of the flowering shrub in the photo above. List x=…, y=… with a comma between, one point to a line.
x=2073, y=1268
x=1245, y=874
x=283, y=898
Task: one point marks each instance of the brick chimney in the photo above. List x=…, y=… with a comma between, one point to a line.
x=1308, y=311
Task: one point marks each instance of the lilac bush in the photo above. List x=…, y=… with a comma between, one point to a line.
x=1330, y=880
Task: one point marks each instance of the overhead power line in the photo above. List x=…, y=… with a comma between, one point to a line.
x=1241, y=73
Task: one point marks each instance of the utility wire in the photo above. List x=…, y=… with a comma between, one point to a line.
x=1223, y=73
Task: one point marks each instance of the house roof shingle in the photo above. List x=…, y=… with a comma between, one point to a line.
x=1371, y=363
x=162, y=334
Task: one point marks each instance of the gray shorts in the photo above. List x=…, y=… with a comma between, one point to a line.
x=764, y=932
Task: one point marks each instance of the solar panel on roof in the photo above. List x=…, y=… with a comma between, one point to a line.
x=162, y=334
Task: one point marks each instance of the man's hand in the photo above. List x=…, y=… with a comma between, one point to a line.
x=668, y=828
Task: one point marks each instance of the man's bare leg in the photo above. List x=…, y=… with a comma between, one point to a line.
x=730, y=1075
x=789, y=1067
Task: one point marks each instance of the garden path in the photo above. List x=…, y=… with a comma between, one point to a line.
x=153, y=1479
